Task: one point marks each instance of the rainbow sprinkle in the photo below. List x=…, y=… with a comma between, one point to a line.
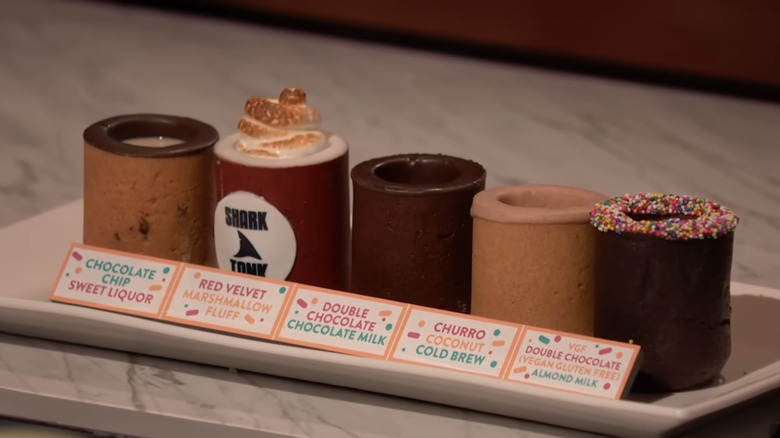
x=709, y=220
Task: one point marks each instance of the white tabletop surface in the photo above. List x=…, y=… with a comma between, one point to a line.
x=66, y=65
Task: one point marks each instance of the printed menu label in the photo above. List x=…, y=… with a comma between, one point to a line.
x=456, y=341
x=359, y=325
x=342, y=322
x=574, y=363
x=244, y=304
x=114, y=281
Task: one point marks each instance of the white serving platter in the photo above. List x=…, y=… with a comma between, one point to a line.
x=33, y=251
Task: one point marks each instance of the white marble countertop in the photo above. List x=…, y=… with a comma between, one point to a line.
x=66, y=65
x=151, y=397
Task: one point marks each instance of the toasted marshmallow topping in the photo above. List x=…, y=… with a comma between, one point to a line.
x=280, y=128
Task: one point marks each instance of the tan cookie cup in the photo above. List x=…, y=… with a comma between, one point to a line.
x=533, y=256
x=149, y=186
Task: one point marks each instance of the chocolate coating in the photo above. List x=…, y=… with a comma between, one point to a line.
x=315, y=200
x=412, y=229
x=109, y=134
x=670, y=297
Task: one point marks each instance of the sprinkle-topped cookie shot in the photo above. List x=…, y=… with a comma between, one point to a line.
x=670, y=217
x=663, y=275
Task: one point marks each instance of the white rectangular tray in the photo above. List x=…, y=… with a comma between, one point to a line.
x=34, y=250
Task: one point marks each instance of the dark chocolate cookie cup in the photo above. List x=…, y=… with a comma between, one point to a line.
x=157, y=201
x=671, y=297
x=412, y=229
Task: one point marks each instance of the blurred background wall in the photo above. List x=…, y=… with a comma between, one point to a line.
x=715, y=41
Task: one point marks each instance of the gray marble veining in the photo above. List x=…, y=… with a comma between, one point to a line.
x=172, y=392
x=67, y=64
x=234, y=399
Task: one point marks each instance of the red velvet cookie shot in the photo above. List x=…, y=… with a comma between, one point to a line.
x=283, y=195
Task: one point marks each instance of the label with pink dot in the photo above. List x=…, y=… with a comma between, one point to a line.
x=339, y=321
x=359, y=325
x=114, y=281
x=455, y=341
x=571, y=362
x=238, y=303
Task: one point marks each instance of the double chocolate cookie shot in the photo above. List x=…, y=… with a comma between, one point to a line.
x=412, y=230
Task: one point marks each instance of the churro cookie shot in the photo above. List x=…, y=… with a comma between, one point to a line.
x=533, y=257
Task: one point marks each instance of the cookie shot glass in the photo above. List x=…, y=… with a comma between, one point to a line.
x=283, y=195
x=412, y=231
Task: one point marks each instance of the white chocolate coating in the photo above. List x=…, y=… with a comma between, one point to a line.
x=225, y=149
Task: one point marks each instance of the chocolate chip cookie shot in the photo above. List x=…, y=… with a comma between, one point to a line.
x=283, y=195
x=534, y=256
x=411, y=231
x=149, y=186
x=663, y=275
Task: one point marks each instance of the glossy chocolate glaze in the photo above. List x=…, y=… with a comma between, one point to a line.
x=412, y=229
x=670, y=297
x=109, y=134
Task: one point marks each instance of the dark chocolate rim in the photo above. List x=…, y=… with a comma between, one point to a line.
x=109, y=134
x=470, y=174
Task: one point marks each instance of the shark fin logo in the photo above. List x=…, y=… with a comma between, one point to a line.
x=253, y=237
x=246, y=249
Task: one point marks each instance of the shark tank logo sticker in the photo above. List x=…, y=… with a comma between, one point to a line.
x=253, y=237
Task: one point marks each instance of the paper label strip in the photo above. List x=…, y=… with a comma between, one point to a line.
x=573, y=363
x=309, y=316
x=342, y=322
x=455, y=341
x=227, y=301
x=112, y=280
